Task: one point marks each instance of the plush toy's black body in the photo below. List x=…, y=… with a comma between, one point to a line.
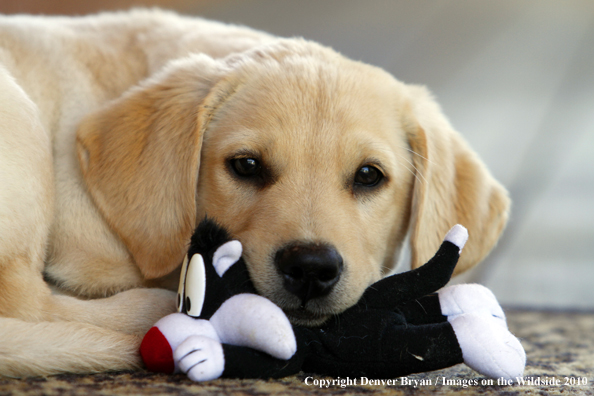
x=396, y=328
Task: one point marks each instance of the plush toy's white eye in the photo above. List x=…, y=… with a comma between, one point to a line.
x=226, y=255
x=182, y=281
x=195, y=286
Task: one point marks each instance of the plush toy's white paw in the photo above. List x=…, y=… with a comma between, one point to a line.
x=470, y=298
x=201, y=358
x=458, y=235
x=256, y=322
x=488, y=347
x=178, y=327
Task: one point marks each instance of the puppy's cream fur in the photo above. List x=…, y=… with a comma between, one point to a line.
x=116, y=133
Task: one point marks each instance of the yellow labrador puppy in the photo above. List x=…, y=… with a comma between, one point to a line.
x=118, y=132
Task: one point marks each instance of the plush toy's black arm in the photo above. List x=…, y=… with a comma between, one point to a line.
x=378, y=349
x=414, y=284
x=381, y=348
x=244, y=362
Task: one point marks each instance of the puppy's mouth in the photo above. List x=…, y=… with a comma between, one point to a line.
x=304, y=317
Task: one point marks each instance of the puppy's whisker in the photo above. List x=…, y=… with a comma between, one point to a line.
x=415, y=153
x=416, y=173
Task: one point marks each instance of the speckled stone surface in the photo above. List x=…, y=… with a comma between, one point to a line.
x=559, y=346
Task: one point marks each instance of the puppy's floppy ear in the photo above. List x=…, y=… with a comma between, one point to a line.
x=140, y=157
x=452, y=186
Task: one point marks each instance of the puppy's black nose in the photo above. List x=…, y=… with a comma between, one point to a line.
x=309, y=270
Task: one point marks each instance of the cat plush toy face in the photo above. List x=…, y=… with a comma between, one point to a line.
x=193, y=291
x=217, y=308
x=399, y=326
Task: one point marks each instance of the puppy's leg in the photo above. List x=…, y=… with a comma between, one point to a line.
x=26, y=202
x=133, y=311
x=46, y=348
x=44, y=336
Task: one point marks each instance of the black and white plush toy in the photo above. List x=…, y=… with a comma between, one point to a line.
x=399, y=326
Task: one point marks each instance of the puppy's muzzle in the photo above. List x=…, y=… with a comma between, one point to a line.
x=310, y=270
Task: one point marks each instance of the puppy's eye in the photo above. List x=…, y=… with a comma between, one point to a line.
x=368, y=176
x=246, y=167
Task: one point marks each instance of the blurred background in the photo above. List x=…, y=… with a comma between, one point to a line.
x=516, y=78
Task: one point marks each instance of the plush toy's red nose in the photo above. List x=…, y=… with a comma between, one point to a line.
x=156, y=352
x=310, y=270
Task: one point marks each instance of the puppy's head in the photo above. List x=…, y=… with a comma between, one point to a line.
x=319, y=165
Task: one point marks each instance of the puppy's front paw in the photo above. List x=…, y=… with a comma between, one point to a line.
x=132, y=311
x=470, y=298
x=488, y=347
x=201, y=358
